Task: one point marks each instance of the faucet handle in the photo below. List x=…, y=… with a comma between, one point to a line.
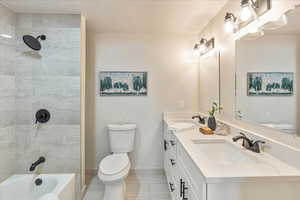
x=243, y=134
x=255, y=146
x=201, y=119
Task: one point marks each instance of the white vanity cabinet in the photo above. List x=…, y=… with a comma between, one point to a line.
x=185, y=183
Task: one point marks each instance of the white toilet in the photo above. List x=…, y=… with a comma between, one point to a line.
x=113, y=169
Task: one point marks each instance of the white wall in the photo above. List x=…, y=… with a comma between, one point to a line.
x=172, y=82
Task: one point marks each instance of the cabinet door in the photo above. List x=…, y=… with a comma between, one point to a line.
x=186, y=191
x=189, y=189
x=196, y=180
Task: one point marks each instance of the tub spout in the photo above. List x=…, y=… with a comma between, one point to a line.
x=36, y=163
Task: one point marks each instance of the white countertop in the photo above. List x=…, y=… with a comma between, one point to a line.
x=267, y=167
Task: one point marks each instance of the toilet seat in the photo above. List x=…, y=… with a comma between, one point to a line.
x=113, y=164
x=114, y=167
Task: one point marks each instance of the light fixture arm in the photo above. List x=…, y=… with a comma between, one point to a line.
x=230, y=15
x=203, y=41
x=254, y=4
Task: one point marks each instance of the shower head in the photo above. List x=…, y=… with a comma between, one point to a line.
x=32, y=42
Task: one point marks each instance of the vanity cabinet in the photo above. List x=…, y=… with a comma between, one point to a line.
x=185, y=183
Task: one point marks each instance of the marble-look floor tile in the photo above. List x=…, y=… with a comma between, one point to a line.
x=140, y=185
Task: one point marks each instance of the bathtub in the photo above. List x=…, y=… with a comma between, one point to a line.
x=54, y=187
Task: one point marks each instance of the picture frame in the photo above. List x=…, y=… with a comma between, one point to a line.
x=270, y=83
x=123, y=83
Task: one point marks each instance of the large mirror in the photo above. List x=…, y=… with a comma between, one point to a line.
x=267, y=75
x=209, y=80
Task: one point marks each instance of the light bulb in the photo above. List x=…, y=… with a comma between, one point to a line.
x=229, y=26
x=246, y=13
x=230, y=23
x=196, y=51
x=202, y=47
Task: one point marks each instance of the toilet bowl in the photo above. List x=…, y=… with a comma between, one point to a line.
x=114, y=168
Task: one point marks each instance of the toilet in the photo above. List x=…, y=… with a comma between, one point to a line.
x=113, y=169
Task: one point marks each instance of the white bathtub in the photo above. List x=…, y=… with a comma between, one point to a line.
x=54, y=187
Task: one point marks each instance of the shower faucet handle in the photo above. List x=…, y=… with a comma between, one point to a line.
x=42, y=116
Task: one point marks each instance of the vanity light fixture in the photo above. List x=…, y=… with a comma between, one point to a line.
x=201, y=46
x=249, y=9
x=204, y=46
x=196, y=49
x=230, y=22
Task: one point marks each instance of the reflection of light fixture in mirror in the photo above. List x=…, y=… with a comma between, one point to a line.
x=204, y=46
x=230, y=22
x=196, y=50
x=248, y=7
x=6, y=36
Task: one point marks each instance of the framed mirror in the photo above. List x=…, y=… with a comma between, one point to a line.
x=209, y=80
x=267, y=75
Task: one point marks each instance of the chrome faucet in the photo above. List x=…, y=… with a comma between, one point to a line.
x=249, y=144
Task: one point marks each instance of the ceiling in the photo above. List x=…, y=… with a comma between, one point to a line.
x=130, y=16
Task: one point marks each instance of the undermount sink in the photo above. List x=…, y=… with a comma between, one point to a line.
x=183, y=124
x=223, y=152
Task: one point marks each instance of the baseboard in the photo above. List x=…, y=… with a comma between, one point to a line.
x=93, y=172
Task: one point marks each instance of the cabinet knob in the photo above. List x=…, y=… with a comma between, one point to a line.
x=172, y=142
x=172, y=188
x=172, y=162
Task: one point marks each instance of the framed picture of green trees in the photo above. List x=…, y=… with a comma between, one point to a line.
x=123, y=83
x=270, y=83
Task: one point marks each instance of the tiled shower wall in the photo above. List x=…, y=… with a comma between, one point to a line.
x=48, y=79
x=7, y=92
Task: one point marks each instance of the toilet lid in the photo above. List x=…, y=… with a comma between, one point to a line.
x=114, y=164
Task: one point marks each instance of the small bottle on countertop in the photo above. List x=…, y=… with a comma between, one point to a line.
x=222, y=129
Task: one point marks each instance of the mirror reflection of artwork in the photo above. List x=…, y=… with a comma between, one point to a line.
x=268, y=76
x=270, y=83
x=123, y=84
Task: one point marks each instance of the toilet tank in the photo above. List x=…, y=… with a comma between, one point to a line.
x=121, y=137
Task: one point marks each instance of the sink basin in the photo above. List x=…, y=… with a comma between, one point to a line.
x=223, y=152
x=183, y=124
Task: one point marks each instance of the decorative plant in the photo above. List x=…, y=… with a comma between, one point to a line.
x=214, y=108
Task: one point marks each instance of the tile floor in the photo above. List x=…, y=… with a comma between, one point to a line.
x=140, y=185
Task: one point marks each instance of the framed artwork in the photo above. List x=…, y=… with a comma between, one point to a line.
x=121, y=83
x=270, y=83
